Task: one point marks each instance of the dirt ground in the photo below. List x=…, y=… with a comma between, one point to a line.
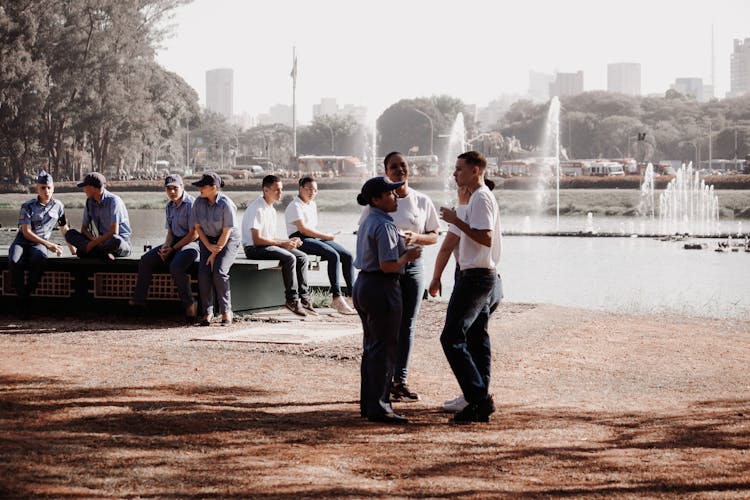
x=589, y=404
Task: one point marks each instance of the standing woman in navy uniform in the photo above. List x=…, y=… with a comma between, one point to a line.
x=37, y=219
x=381, y=257
x=215, y=218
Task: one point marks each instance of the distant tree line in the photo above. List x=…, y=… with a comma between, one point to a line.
x=602, y=124
x=79, y=84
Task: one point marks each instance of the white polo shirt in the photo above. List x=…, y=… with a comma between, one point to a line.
x=415, y=212
x=298, y=210
x=481, y=213
x=261, y=216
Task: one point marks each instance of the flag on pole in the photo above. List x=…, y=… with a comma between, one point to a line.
x=293, y=74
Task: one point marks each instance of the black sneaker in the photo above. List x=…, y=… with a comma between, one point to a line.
x=401, y=392
x=476, y=412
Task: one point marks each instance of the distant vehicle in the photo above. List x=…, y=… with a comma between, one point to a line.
x=603, y=169
x=331, y=165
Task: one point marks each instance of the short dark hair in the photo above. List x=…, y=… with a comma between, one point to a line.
x=305, y=180
x=269, y=180
x=388, y=157
x=474, y=159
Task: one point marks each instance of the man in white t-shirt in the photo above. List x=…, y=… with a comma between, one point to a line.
x=465, y=338
x=260, y=242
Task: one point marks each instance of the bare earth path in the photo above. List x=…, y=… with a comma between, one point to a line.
x=590, y=404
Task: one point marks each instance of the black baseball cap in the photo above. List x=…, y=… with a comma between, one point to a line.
x=209, y=179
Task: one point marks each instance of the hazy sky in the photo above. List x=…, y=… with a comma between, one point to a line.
x=375, y=53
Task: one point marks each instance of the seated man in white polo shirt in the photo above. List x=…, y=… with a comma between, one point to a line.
x=260, y=242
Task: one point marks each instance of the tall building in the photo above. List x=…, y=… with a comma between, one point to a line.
x=566, y=84
x=740, y=69
x=624, y=78
x=327, y=106
x=690, y=87
x=220, y=91
x=539, y=86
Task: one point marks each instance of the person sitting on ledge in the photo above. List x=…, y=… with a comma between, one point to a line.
x=105, y=214
x=301, y=222
x=28, y=252
x=179, y=250
x=260, y=242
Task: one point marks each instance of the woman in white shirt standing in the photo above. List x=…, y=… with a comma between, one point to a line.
x=418, y=223
x=301, y=222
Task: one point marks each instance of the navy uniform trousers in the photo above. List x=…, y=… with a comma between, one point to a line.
x=377, y=299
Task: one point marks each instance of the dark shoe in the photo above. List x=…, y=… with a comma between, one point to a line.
x=309, y=309
x=388, y=418
x=190, y=320
x=467, y=415
x=476, y=412
x=401, y=392
x=296, y=307
x=205, y=322
x=486, y=408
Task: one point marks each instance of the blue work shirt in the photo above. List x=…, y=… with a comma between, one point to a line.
x=377, y=241
x=180, y=219
x=213, y=218
x=41, y=219
x=102, y=214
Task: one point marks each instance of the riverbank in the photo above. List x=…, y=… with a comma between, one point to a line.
x=733, y=204
x=590, y=403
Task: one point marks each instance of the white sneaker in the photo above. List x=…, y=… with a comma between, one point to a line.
x=456, y=404
x=341, y=306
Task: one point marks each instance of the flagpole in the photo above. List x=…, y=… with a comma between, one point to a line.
x=294, y=102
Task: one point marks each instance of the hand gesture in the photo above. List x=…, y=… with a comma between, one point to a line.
x=448, y=215
x=413, y=253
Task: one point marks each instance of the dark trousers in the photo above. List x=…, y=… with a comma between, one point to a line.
x=293, y=268
x=26, y=256
x=377, y=299
x=412, y=291
x=213, y=282
x=465, y=338
x=335, y=256
x=116, y=245
x=178, y=261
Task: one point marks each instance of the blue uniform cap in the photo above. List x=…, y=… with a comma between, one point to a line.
x=173, y=180
x=44, y=178
x=374, y=187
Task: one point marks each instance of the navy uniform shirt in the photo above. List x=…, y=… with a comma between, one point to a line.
x=41, y=219
x=377, y=241
x=180, y=218
x=110, y=209
x=213, y=218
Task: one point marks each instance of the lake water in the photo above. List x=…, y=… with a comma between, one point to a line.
x=638, y=275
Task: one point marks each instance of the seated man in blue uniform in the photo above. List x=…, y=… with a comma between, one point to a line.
x=105, y=230
x=28, y=252
x=179, y=250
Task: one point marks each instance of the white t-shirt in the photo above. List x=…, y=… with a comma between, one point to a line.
x=415, y=212
x=481, y=213
x=299, y=210
x=261, y=216
x=461, y=213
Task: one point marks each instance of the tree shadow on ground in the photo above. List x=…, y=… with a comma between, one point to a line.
x=188, y=441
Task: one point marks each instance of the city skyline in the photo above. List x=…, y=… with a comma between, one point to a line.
x=416, y=50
